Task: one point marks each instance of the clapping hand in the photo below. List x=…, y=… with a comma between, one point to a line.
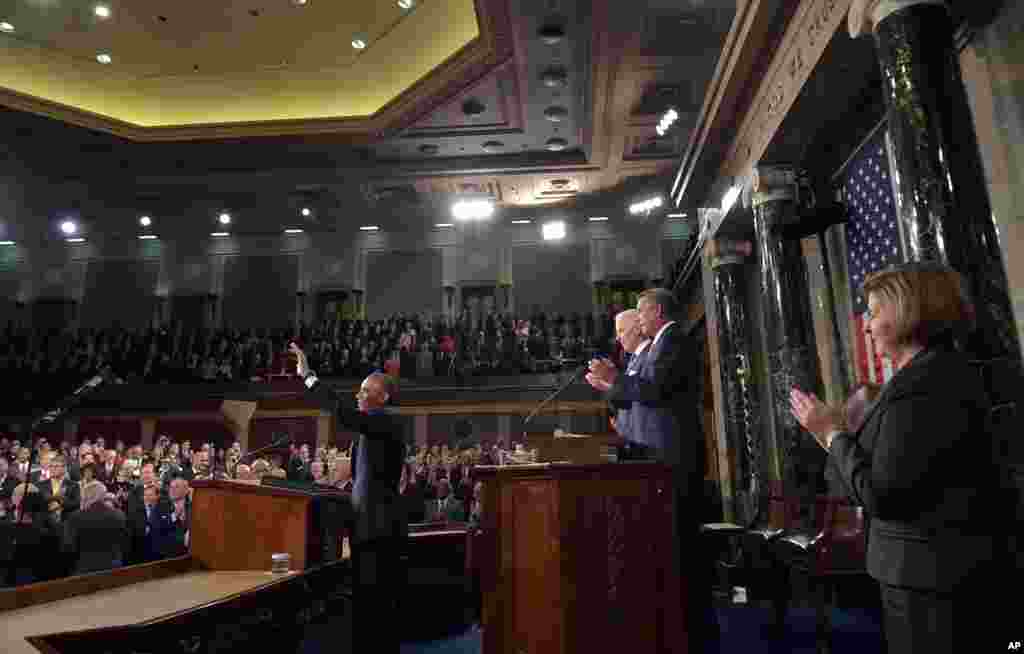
x=814, y=416
x=302, y=367
x=602, y=374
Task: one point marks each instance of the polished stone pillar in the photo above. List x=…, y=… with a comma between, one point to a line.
x=741, y=424
x=789, y=332
x=941, y=195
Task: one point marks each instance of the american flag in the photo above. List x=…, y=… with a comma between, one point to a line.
x=872, y=243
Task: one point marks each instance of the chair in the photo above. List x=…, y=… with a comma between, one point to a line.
x=832, y=551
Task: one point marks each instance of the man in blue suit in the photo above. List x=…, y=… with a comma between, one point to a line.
x=664, y=418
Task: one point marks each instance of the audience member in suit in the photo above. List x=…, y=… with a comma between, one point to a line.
x=447, y=507
x=7, y=481
x=29, y=546
x=97, y=535
x=634, y=343
x=664, y=419
x=298, y=465
x=379, y=528
x=150, y=525
x=59, y=485
x=106, y=471
x=174, y=540
x=921, y=464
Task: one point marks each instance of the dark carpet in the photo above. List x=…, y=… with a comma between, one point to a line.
x=743, y=629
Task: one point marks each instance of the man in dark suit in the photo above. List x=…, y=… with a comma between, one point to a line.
x=379, y=522
x=664, y=420
x=96, y=536
x=59, y=485
x=7, y=481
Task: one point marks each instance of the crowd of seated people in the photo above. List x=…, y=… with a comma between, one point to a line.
x=49, y=364
x=72, y=509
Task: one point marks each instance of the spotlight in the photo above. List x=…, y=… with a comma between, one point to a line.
x=293, y=230
x=103, y=58
x=307, y=212
x=667, y=120
x=101, y=11
x=646, y=206
x=521, y=222
x=553, y=230
x=6, y=27
x=472, y=209
x=369, y=228
x=224, y=218
x=598, y=219
x=439, y=225
x=68, y=227
x=219, y=234
x=75, y=239
x=147, y=237
x=145, y=221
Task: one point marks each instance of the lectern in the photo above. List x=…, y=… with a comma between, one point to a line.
x=580, y=558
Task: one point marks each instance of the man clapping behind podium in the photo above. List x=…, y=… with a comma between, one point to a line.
x=631, y=336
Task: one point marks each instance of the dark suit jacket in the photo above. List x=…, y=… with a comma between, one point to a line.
x=377, y=459
x=71, y=492
x=663, y=394
x=97, y=537
x=108, y=480
x=922, y=467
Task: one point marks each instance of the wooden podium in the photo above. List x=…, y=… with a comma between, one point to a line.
x=580, y=558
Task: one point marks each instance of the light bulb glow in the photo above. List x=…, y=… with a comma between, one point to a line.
x=68, y=227
x=553, y=230
x=224, y=218
x=472, y=209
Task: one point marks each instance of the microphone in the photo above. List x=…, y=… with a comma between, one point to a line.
x=572, y=378
x=69, y=401
x=282, y=441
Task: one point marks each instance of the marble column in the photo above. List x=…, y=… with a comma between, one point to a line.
x=789, y=332
x=743, y=437
x=941, y=195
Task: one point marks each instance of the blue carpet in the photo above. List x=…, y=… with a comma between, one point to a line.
x=743, y=629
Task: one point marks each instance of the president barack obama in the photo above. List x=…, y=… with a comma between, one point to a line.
x=379, y=524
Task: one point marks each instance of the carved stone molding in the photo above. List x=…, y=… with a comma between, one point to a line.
x=805, y=40
x=865, y=15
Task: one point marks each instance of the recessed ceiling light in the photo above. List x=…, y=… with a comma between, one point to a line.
x=521, y=222
x=6, y=27
x=407, y=4
x=306, y=211
x=359, y=42
x=6, y=242
x=293, y=230
x=101, y=11
x=553, y=230
x=224, y=218
x=219, y=233
x=444, y=225
x=556, y=144
x=369, y=228
x=598, y=219
x=103, y=58
x=145, y=221
x=147, y=237
x=75, y=239
x=68, y=227
x=676, y=215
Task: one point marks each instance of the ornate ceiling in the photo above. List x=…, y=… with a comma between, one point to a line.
x=553, y=104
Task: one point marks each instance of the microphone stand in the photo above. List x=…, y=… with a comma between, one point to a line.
x=66, y=403
x=281, y=442
x=552, y=396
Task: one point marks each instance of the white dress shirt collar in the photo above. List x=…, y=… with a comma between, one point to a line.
x=661, y=331
x=643, y=346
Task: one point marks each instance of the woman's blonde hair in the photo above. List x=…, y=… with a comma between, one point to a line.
x=930, y=300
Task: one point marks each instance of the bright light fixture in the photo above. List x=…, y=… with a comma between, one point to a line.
x=472, y=209
x=369, y=228
x=224, y=218
x=667, y=120
x=359, y=42
x=598, y=219
x=6, y=27
x=306, y=211
x=219, y=233
x=299, y=3
x=6, y=242
x=407, y=4
x=444, y=225
x=147, y=237
x=730, y=198
x=293, y=230
x=68, y=227
x=145, y=221
x=521, y=222
x=103, y=58
x=676, y=215
x=646, y=206
x=75, y=239
x=101, y=11
x=553, y=230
